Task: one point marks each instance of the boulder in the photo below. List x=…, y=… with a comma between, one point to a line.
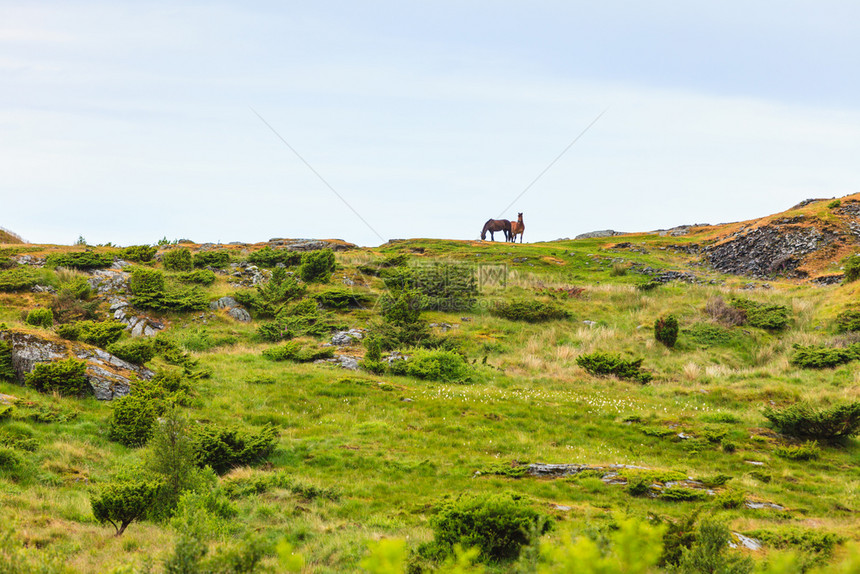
x=109, y=376
x=344, y=338
x=234, y=310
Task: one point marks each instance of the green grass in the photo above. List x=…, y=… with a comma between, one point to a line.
x=393, y=447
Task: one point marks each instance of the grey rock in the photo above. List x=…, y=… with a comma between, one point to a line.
x=590, y=323
x=43, y=289
x=745, y=542
x=601, y=233
x=223, y=303
x=109, y=377
x=761, y=505
x=240, y=314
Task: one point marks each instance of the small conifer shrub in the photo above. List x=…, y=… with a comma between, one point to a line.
x=80, y=260
x=98, y=333
x=226, y=447
x=67, y=377
x=818, y=357
x=603, y=364
x=139, y=253
x=317, y=266
x=177, y=260
x=848, y=321
x=138, y=351
x=123, y=501
x=666, y=330
x=802, y=420
x=40, y=317
x=499, y=525
x=211, y=259
x=530, y=311
x=851, y=266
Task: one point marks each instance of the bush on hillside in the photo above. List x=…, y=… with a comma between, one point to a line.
x=40, y=317
x=375, y=268
x=268, y=257
x=848, y=321
x=7, y=371
x=80, y=260
x=293, y=351
x=177, y=260
x=603, y=364
x=806, y=451
x=666, y=330
x=530, y=311
x=819, y=357
x=372, y=360
x=124, y=501
x=149, y=291
x=132, y=420
x=802, y=420
x=434, y=365
x=226, y=447
x=709, y=335
x=73, y=301
x=401, y=324
x=710, y=552
x=770, y=317
x=17, y=279
x=851, y=267
x=198, y=276
x=138, y=253
x=268, y=299
x=138, y=351
x=66, y=377
x=317, y=266
x=98, y=333
x=218, y=259
x=340, y=298
x=499, y=525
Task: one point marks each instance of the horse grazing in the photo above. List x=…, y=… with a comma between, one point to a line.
x=517, y=228
x=493, y=225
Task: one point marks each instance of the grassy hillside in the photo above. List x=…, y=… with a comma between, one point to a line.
x=362, y=457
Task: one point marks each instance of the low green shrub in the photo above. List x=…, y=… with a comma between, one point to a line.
x=7, y=371
x=18, y=279
x=177, y=260
x=499, y=525
x=298, y=319
x=149, y=291
x=446, y=287
x=814, y=541
x=806, y=451
x=80, y=260
x=372, y=360
x=269, y=299
x=138, y=351
x=66, y=377
x=124, y=501
x=834, y=204
x=294, y=351
x=683, y=494
x=602, y=364
x=819, y=357
x=375, y=268
x=98, y=333
x=730, y=499
x=763, y=316
x=340, y=298
x=710, y=552
x=40, y=317
x=729, y=315
x=225, y=447
x=132, y=420
x=198, y=276
x=138, y=253
x=666, y=330
x=529, y=311
x=434, y=365
x=317, y=266
x=648, y=285
x=802, y=420
x=709, y=335
x=268, y=257
x=848, y=321
x=638, y=486
x=851, y=268
x=219, y=259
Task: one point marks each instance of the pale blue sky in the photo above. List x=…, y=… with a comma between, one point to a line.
x=128, y=122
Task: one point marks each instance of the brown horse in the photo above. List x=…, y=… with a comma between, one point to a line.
x=493, y=225
x=517, y=228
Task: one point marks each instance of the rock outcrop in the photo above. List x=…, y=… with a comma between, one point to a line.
x=109, y=376
x=233, y=308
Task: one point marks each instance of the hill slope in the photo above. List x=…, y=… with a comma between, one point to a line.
x=500, y=392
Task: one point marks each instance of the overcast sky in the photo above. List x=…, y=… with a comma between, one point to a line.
x=132, y=121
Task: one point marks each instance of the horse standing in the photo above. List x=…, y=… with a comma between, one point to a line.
x=517, y=228
x=493, y=225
